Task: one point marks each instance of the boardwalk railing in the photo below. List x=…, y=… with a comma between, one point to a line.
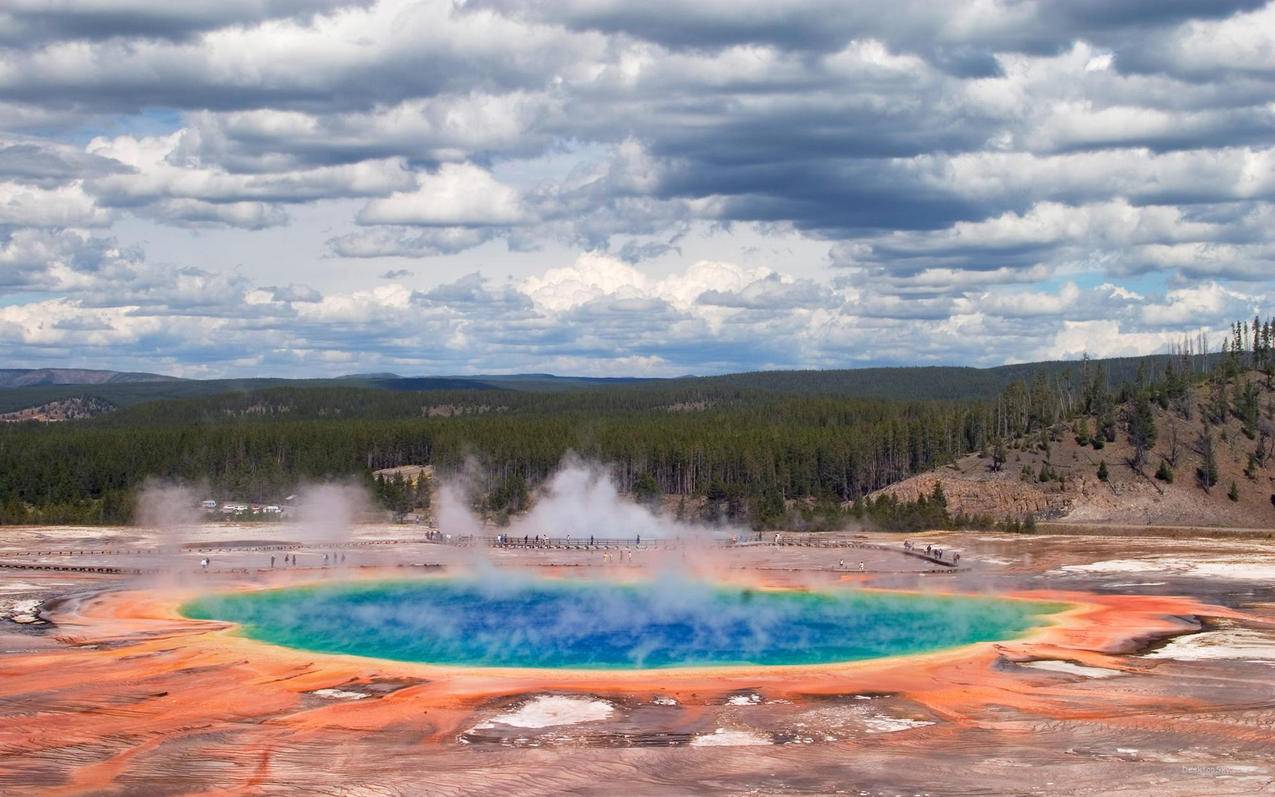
x=939, y=557
x=935, y=555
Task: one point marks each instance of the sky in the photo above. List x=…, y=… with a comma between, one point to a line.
x=600, y=187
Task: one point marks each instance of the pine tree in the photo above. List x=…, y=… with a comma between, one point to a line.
x=937, y=496
x=1206, y=473
x=422, y=491
x=1103, y=473
x=1219, y=407
x=1247, y=408
x=1142, y=432
x=1082, y=431
x=646, y=490
x=1107, y=418
x=1234, y=492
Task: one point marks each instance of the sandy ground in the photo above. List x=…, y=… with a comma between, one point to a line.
x=1161, y=680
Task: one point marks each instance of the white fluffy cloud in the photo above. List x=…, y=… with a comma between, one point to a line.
x=675, y=187
x=595, y=315
x=458, y=194
x=64, y=206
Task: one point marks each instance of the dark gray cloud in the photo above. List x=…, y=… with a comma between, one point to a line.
x=28, y=22
x=636, y=252
x=474, y=290
x=968, y=165
x=962, y=36
x=770, y=294
x=48, y=163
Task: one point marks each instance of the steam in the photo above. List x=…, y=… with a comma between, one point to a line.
x=579, y=500
x=167, y=507
x=452, y=511
x=327, y=512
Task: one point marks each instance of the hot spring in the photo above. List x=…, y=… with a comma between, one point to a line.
x=606, y=625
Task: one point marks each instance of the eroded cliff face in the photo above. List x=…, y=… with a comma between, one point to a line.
x=1072, y=491
x=994, y=497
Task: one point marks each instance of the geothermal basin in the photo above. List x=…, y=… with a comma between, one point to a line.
x=599, y=624
x=1044, y=664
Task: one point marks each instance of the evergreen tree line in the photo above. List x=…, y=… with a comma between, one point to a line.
x=792, y=447
x=748, y=449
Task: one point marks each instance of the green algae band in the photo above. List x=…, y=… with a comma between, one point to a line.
x=604, y=625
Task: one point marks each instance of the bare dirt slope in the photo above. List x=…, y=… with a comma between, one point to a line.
x=1127, y=497
x=70, y=409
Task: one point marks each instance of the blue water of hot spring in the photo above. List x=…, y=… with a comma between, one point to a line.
x=608, y=625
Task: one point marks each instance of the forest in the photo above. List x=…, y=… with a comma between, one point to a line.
x=749, y=448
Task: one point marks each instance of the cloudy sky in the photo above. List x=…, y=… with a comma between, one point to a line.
x=316, y=187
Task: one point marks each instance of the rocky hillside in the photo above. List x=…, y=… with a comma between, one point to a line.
x=71, y=409
x=1071, y=488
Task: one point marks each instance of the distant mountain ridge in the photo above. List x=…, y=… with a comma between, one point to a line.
x=24, y=389
x=32, y=377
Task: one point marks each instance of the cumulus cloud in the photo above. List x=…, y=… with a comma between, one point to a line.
x=595, y=315
x=457, y=195
x=49, y=164
x=586, y=178
x=44, y=20
x=166, y=179
x=23, y=205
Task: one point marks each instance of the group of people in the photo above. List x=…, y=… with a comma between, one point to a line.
x=932, y=551
x=290, y=560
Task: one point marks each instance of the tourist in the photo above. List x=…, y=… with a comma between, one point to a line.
x=325, y=560
x=204, y=563
x=272, y=561
x=861, y=567
x=841, y=564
